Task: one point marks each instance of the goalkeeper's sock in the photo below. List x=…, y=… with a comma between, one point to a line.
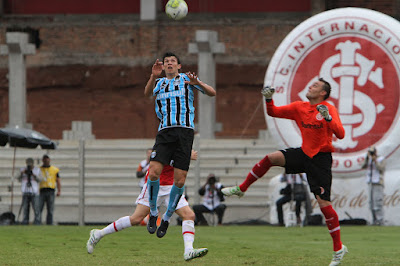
x=118, y=225
x=188, y=234
x=153, y=187
x=174, y=198
x=257, y=172
x=332, y=222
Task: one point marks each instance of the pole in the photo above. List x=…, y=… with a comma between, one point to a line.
x=81, y=182
x=12, y=179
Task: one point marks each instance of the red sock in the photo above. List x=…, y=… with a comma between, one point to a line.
x=257, y=172
x=332, y=221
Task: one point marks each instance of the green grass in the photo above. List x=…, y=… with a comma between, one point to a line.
x=228, y=245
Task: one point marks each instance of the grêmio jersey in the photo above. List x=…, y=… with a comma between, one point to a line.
x=316, y=132
x=174, y=102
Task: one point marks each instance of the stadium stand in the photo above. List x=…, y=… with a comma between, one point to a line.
x=111, y=187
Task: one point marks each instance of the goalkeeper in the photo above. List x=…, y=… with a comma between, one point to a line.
x=318, y=121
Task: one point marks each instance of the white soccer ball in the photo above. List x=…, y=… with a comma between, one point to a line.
x=176, y=9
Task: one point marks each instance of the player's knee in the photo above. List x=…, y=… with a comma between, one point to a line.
x=189, y=216
x=135, y=220
x=179, y=180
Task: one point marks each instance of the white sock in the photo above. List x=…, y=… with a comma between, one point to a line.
x=188, y=234
x=118, y=225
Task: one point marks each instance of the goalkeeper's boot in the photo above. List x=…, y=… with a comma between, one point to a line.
x=229, y=191
x=338, y=256
x=152, y=224
x=162, y=230
x=93, y=240
x=195, y=253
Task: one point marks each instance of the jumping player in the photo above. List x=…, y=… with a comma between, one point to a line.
x=143, y=209
x=318, y=121
x=174, y=108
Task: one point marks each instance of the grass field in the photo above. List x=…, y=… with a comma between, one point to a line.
x=228, y=245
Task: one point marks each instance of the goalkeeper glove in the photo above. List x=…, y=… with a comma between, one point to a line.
x=268, y=92
x=323, y=110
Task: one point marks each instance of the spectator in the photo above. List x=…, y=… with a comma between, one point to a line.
x=212, y=198
x=50, y=177
x=294, y=190
x=142, y=169
x=29, y=179
x=375, y=166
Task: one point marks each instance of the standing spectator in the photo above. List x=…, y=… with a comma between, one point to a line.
x=142, y=169
x=375, y=166
x=318, y=121
x=50, y=177
x=29, y=179
x=212, y=198
x=174, y=98
x=294, y=190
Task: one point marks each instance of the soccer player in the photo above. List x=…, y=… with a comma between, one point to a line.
x=143, y=209
x=318, y=121
x=174, y=108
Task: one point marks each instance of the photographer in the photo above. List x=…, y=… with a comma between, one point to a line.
x=212, y=198
x=375, y=166
x=29, y=179
x=294, y=190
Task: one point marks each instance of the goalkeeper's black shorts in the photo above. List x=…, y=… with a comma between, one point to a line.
x=318, y=170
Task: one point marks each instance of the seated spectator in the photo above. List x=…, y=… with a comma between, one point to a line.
x=294, y=190
x=212, y=198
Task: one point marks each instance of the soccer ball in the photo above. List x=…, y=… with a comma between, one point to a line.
x=176, y=9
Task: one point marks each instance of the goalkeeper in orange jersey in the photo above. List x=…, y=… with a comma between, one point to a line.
x=318, y=121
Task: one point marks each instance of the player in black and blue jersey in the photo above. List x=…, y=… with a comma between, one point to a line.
x=174, y=108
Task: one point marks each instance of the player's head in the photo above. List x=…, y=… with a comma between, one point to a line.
x=319, y=90
x=170, y=54
x=171, y=64
x=326, y=87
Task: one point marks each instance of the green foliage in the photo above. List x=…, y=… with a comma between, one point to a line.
x=228, y=245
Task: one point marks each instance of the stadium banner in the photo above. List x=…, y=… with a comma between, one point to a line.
x=358, y=52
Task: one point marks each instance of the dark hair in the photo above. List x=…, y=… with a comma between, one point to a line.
x=169, y=54
x=45, y=157
x=326, y=87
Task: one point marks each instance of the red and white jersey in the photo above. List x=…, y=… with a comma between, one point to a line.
x=166, y=176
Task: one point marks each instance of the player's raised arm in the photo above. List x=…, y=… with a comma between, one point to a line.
x=155, y=73
x=193, y=80
x=286, y=111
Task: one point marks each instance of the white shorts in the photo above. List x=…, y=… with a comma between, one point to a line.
x=163, y=197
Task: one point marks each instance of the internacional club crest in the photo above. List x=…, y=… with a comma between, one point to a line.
x=358, y=52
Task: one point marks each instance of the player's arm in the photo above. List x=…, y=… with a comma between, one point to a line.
x=193, y=80
x=193, y=155
x=155, y=73
x=139, y=172
x=333, y=119
x=286, y=111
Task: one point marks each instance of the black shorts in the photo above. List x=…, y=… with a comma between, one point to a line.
x=174, y=146
x=318, y=170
